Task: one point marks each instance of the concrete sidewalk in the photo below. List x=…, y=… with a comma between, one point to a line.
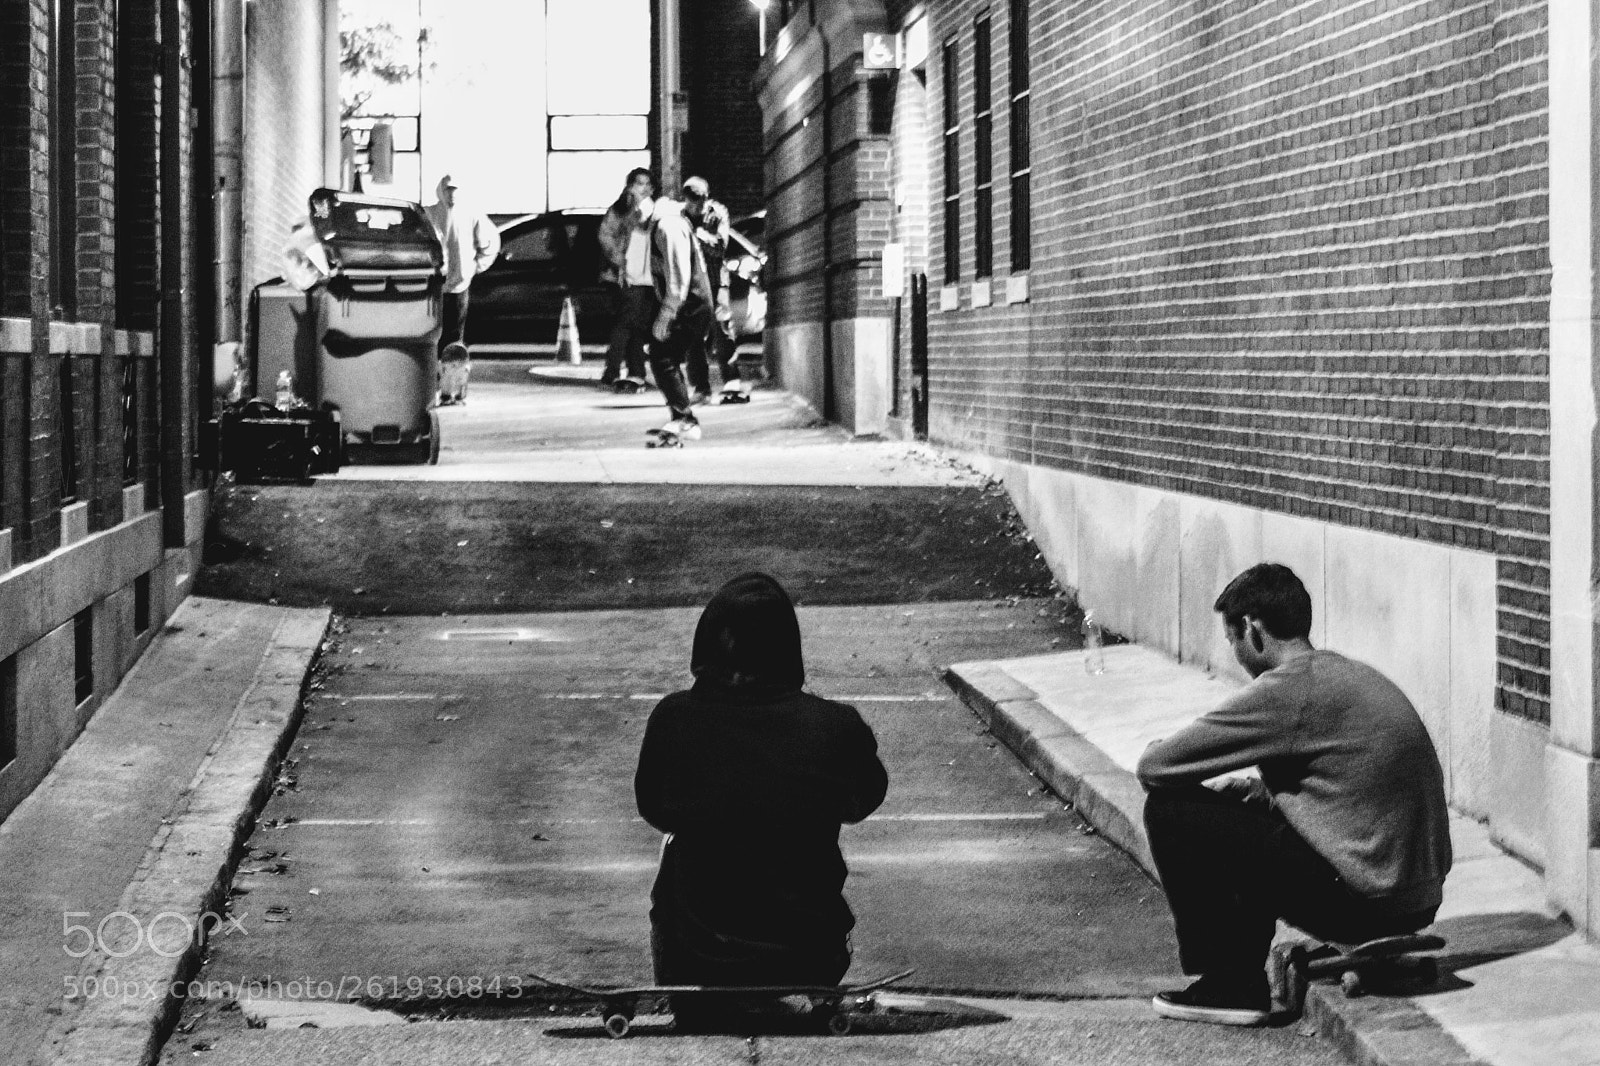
x=109, y=865
x=1517, y=985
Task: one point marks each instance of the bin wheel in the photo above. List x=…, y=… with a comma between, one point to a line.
x=838, y=1023
x=617, y=1025
x=433, y=438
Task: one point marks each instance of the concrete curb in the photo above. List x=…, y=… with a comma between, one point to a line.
x=189, y=864
x=1377, y=1031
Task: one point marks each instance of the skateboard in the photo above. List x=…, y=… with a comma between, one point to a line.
x=663, y=438
x=628, y=386
x=733, y=396
x=1359, y=967
x=834, y=1007
x=455, y=364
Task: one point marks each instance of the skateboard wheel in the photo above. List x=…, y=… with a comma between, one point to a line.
x=1352, y=984
x=617, y=1025
x=839, y=1024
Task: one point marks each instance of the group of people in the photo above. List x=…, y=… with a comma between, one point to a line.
x=1344, y=833
x=665, y=257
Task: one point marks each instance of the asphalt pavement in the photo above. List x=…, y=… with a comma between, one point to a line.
x=141, y=829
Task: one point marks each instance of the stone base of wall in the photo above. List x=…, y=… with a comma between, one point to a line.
x=1150, y=563
x=40, y=602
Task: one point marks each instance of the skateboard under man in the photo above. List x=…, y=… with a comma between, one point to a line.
x=629, y=386
x=833, y=1007
x=1389, y=960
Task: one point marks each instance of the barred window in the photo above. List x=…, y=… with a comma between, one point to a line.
x=1021, y=141
x=982, y=152
x=952, y=168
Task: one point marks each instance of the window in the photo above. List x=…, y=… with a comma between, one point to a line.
x=8, y=710
x=1021, y=141
x=982, y=153
x=535, y=244
x=83, y=654
x=141, y=604
x=952, y=169
x=63, y=160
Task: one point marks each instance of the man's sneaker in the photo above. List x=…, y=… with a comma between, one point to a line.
x=1218, y=1001
x=684, y=429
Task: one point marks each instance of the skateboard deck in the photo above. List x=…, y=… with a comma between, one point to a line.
x=733, y=396
x=1357, y=966
x=834, y=1006
x=629, y=386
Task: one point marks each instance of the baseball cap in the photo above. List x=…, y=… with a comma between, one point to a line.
x=696, y=187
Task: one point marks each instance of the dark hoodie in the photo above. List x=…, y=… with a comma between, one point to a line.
x=752, y=777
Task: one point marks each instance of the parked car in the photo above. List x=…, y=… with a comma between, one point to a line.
x=544, y=259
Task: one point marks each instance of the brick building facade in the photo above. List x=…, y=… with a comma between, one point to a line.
x=105, y=342
x=1213, y=284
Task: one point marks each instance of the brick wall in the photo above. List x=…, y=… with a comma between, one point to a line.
x=283, y=129
x=720, y=53
x=1289, y=255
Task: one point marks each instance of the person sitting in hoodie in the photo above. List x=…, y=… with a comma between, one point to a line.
x=752, y=778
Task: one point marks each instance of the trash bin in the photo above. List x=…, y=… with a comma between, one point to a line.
x=378, y=317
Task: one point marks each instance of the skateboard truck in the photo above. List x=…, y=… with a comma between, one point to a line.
x=1360, y=967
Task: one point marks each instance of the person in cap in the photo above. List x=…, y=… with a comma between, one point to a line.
x=470, y=242
x=710, y=221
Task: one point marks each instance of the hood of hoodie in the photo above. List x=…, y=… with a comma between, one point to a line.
x=747, y=644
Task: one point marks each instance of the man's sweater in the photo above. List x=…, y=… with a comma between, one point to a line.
x=1348, y=762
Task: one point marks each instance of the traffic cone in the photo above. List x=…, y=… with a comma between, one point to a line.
x=567, y=343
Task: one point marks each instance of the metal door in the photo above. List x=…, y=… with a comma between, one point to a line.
x=919, y=356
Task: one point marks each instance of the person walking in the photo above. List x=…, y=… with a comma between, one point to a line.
x=471, y=242
x=683, y=310
x=751, y=779
x=710, y=221
x=1345, y=834
x=625, y=243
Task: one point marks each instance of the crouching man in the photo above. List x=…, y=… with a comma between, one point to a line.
x=1345, y=835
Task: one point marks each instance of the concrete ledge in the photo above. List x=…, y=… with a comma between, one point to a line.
x=188, y=864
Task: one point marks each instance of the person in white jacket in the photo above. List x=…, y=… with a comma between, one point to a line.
x=683, y=314
x=471, y=242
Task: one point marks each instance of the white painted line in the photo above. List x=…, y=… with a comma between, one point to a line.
x=510, y=636
x=924, y=698
x=393, y=696
x=368, y=823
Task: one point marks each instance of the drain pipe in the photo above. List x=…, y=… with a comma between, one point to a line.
x=227, y=146
x=830, y=407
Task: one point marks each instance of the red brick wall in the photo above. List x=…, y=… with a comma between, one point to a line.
x=720, y=52
x=114, y=289
x=1288, y=255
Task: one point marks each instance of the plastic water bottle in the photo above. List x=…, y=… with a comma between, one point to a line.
x=1094, y=640
x=285, y=399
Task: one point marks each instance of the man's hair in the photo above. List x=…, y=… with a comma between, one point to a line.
x=1271, y=593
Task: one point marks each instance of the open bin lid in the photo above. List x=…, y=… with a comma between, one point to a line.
x=374, y=234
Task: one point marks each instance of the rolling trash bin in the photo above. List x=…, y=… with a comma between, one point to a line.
x=378, y=318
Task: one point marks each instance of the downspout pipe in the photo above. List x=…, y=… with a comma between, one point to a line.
x=830, y=407
x=227, y=147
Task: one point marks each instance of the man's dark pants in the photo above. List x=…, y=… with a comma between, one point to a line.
x=454, y=319
x=667, y=357
x=630, y=332
x=1231, y=867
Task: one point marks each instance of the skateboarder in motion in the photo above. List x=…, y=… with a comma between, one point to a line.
x=1344, y=835
x=751, y=778
x=683, y=315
